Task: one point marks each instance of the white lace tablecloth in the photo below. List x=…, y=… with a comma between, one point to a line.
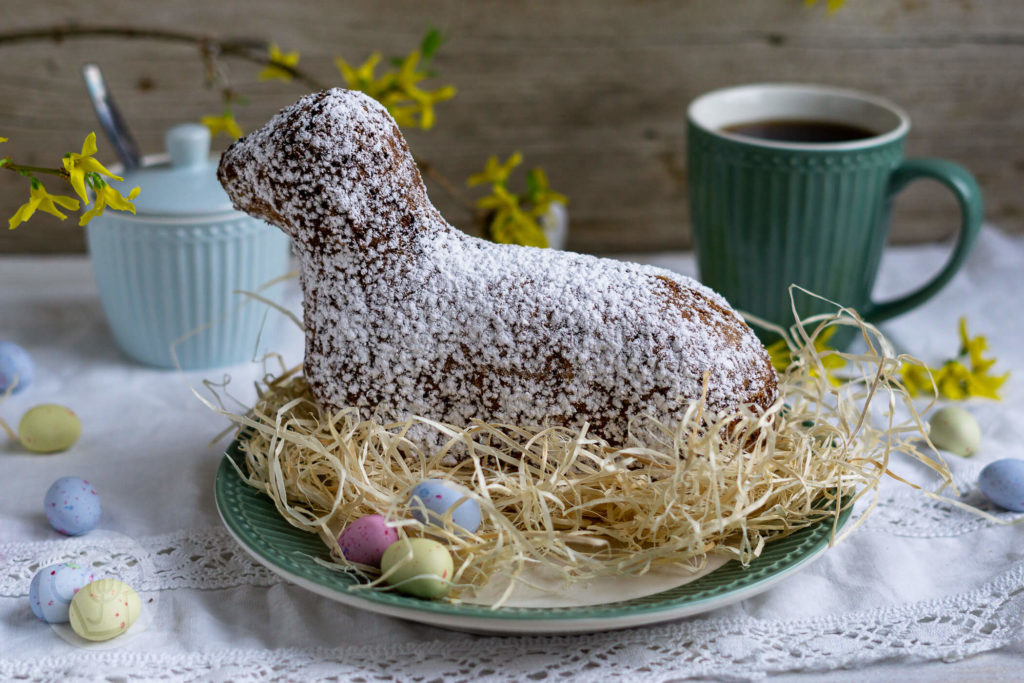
x=923, y=591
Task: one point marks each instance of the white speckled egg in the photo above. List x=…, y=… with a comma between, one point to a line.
x=104, y=609
x=365, y=540
x=432, y=498
x=15, y=364
x=1002, y=482
x=422, y=567
x=52, y=589
x=72, y=506
x=49, y=428
x=955, y=430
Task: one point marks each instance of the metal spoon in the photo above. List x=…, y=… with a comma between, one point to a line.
x=110, y=117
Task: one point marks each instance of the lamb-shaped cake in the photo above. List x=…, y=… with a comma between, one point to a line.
x=406, y=315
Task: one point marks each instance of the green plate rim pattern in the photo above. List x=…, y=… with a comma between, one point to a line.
x=252, y=517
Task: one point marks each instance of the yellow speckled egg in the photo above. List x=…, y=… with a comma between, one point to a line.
x=49, y=428
x=104, y=609
x=422, y=567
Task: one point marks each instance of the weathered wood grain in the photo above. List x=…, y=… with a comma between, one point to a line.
x=593, y=90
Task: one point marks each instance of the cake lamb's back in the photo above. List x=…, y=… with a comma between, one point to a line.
x=406, y=315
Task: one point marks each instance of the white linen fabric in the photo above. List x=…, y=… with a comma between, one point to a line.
x=923, y=589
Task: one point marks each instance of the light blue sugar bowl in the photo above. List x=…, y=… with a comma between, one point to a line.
x=171, y=274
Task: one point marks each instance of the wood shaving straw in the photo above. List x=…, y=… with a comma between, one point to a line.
x=570, y=504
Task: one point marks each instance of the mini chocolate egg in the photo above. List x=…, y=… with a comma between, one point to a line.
x=52, y=589
x=365, y=540
x=104, y=609
x=1002, y=482
x=955, y=430
x=49, y=428
x=432, y=498
x=423, y=568
x=15, y=364
x=72, y=506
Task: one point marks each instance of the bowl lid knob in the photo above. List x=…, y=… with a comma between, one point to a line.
x=188, y=144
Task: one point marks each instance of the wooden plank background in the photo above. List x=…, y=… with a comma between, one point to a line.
x=593, y=90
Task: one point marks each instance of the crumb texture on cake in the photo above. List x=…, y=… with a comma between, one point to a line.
x=405, y=314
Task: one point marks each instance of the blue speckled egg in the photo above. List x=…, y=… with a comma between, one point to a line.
x=432, y=498
x=15, y=363
x=1002, y=482
x=72, y=506
x=52, y=589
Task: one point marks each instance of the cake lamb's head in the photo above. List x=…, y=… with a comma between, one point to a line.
x=334, y=154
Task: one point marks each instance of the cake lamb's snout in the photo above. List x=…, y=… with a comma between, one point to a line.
x=405, y=315
x=248, y=187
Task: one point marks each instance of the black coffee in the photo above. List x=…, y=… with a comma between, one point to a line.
x=800, y=130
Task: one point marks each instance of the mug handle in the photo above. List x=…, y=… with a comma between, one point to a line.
x=968, y=195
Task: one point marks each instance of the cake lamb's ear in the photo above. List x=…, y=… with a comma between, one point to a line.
x=331, y=154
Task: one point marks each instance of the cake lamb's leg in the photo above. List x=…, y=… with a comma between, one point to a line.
x=406, y=315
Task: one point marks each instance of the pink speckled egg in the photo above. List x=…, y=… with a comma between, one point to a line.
x=365, y=540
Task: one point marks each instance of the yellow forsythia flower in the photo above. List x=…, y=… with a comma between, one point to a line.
x=953, y=379
x=279, y=59
x=225, y=123
x=495, y=172
x=108, y=196
x=41, y=200
x=408, y=76
x=515, y=227
x=779, y=354
x=916, y=379
x=78, y=165
x=404, y=116
x=979, y=382
x=398, y=91
x=405, y=88
x=781, y=357
x=832, y=6
x=426, y=100
x=511, y=218
x=539, y=194
x=362, y=78
x=499, y=199
x=509, y=224
x=973, y=348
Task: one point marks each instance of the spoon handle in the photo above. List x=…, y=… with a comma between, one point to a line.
x=110, y=117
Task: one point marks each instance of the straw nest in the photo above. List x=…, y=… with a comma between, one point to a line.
x=567, y=502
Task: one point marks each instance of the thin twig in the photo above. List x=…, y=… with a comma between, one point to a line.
x=248, y=49
x=6, y=163
x=428, y=170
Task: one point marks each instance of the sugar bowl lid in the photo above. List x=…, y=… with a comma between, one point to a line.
x=186, y=184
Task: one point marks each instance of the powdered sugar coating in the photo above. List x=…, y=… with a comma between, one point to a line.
x=407, y=315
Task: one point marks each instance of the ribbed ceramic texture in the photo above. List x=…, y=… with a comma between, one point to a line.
x=159, y=282
x=765, y=218
x=254, y=520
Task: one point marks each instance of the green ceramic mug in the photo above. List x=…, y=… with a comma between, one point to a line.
x=770, y=206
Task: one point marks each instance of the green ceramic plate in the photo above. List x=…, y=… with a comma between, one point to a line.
x=254, y=522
